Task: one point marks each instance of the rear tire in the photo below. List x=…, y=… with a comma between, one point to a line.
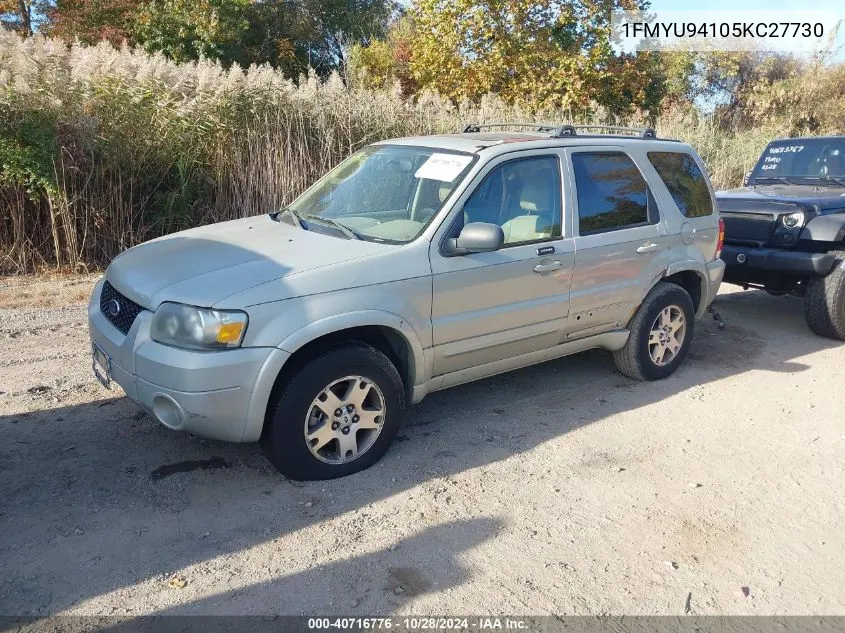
x=305, y=443
x=824, y=302
x=641, y=357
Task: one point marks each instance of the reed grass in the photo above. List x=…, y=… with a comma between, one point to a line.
x=103, y=148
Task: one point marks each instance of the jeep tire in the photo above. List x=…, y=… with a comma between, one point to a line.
x=309, y=433
x=651, y=330
x=824, y=301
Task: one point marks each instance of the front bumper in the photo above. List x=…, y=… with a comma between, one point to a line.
x=216, y=394
x=742, y=260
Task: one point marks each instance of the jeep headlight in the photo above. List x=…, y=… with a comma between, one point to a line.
x=792, y=220
x=198, y=328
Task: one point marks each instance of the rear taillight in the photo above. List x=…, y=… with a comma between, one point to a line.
x=721, y=241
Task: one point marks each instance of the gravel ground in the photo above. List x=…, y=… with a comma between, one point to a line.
x=563, y=488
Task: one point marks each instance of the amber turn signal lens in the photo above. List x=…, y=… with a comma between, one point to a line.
x=229, y=332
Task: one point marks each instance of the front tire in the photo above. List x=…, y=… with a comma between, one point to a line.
x=661, y=334
x=824, y=302
x=337, y=415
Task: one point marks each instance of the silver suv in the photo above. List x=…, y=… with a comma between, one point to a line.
x=415, y=265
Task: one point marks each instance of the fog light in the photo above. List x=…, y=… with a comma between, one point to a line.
x=167, y=411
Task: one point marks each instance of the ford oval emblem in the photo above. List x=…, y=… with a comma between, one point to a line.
x=113, y=308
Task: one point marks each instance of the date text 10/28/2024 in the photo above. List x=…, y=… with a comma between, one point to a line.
x=419, y=624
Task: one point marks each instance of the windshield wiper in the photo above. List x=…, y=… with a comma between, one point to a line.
x=350, y=233
x=276, y=216
x=829, y=180
x=781, y=179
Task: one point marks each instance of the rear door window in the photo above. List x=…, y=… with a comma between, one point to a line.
x=685, y=182
x=612, y=193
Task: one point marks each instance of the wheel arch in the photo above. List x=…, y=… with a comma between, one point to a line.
x=386, y=332
x=689, y=276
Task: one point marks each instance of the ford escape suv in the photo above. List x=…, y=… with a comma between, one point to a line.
x=415, y=265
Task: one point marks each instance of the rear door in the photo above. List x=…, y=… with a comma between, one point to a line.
x=689, y=189
x=621, y=243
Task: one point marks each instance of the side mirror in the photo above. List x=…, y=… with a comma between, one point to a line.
x=476, y=237
x=746, y=179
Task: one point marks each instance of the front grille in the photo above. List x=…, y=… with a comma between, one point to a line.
x=120, y=311
x=748, y=227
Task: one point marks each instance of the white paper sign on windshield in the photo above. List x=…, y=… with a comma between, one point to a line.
x=445, y=167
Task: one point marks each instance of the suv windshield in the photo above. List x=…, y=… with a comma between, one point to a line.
x=798, y=159
x=385, y=193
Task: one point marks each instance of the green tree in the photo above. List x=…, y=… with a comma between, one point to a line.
x=277, y=34
x=293, y=35
x=545, y=53
x=301, y=34
x=337, y=24
x=188, y=29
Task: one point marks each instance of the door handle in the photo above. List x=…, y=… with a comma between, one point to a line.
x=544, y=268
x=648, y=248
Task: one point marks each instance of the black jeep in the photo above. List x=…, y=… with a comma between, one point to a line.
x=785, y=228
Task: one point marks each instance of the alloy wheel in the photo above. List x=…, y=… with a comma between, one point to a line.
x=344, y=420
x=667, y=335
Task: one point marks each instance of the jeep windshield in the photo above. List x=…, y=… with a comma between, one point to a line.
x=802, y=161
x=384, y=193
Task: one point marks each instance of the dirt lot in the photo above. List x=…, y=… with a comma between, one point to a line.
x=561, y=488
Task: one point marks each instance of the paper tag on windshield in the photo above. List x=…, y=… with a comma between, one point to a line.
x=445, y=167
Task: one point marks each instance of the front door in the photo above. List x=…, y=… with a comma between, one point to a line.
x=491, y=306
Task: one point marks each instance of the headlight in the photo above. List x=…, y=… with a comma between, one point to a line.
x=197, y=328
x=793, y=219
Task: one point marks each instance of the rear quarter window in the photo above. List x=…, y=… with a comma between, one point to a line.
x=685, y=182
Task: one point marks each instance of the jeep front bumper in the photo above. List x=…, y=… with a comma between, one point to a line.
x=743, y=262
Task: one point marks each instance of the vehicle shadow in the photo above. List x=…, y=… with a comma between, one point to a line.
x=98, y=497
x=359, y=584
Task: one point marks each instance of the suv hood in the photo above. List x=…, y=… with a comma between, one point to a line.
x=205, y=265
x=827, y=199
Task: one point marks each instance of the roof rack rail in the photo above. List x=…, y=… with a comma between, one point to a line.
x=642, y=132
x=538, y=127
x=561, y=130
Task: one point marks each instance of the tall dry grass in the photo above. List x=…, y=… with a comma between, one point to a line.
x=103, y=148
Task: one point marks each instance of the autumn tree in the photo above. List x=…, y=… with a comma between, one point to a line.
x=384, y=62
x=545, y=53
x=91, y=21
x=749, y=89
x=181, y=29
